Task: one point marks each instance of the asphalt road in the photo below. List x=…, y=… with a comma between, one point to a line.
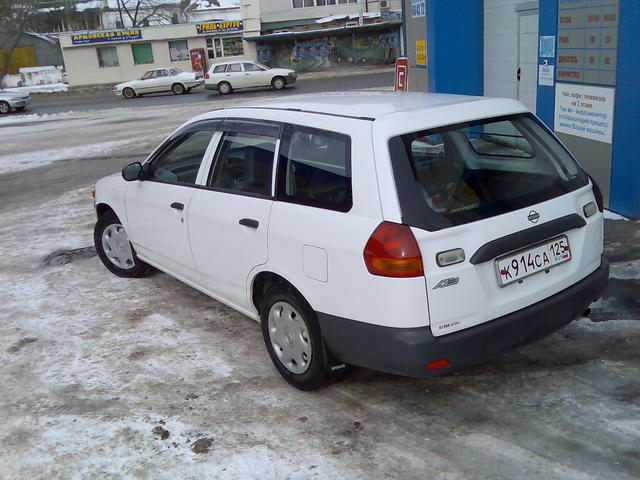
x=61, y=103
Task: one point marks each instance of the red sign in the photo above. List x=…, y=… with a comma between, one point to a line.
x=198, y=62
x=401, y=81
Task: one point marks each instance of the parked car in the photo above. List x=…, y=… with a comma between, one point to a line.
x=229, y=76
x=160, y=80
x=409, y=233
x=13, y=101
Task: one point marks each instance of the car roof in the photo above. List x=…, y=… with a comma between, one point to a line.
x=372, y=105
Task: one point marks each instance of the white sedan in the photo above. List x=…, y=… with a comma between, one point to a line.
x=229, y=76
x=159, y=80
x=13, y=101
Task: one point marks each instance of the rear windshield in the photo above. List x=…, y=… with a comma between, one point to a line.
x=470, y=171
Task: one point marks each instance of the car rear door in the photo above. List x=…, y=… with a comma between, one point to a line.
x=157, y=206
x=228, y=220
x=235, y=75
x=502, y=224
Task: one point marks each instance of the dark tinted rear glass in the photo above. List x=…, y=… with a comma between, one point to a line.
x=470, y=171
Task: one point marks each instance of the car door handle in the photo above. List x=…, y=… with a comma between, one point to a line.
x=177, y=206
x=249, y=222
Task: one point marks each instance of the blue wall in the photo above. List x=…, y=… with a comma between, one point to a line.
x=547, y=25
x=625, y=169
x=455, y=46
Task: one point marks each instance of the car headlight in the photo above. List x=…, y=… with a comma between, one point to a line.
x=292, y=74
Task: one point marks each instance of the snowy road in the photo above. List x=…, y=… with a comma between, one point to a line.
x=106, y=378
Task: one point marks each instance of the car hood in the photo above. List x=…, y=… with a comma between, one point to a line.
x=14, y=95
x=120, y=86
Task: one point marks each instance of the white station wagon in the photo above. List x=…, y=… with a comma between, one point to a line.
x=408, y=233
x=229, y=76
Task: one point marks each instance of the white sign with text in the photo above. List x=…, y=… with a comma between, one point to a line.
x=584, y=111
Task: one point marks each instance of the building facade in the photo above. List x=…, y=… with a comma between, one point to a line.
x=572, y=62
x=112, y=56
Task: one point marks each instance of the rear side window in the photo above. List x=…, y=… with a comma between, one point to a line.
x=244, y=163
x=470, y=171
x=180, y=160
x=315, y=168
x=219, y=68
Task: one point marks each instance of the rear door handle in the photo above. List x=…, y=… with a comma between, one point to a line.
x=249, y=222
x=177, y=206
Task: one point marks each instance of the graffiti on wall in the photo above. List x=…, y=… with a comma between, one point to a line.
x=370, y=48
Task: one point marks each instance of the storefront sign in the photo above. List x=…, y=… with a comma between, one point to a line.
x=106, y=36
x=418, y=8
x=219, y=27
x=584, y=111
x=421, y=53
x=587, y=41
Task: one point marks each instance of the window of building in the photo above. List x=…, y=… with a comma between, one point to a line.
x=224, y=47
x=178, y=50
x=107, y=57
x=315, y=168
x=142, y=53
x=319, y=3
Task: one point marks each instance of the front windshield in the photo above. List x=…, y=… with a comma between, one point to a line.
x=262, y=66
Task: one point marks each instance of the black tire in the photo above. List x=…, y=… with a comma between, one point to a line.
x=138, y=268
x=224, y=88
x=278, y=83
x=178, y=89
x=20, y=109
x=5, y=107
x=128, y=93
x=314, y=376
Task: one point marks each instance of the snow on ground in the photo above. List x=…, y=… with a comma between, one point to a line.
x=107, y=378
x=609, y=215
x=48, y=88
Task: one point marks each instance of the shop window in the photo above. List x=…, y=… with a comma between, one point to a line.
x=178, y=50
x=319, y=3
x=142, y=53
x=224, y=47
x=107, y=57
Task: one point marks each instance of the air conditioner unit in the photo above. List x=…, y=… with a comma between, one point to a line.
x=384, y=4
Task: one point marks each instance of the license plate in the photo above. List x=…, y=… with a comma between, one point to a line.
x=516, y=266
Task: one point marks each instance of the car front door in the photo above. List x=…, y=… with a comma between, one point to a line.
x=157, y=207
x=228, y=220
x=255, y=75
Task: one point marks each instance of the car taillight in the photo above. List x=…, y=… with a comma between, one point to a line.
x=392, y=251
x=598, y=194
x=206, y=76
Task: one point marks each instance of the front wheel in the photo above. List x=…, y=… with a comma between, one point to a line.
x=293, y=339
x=128, y=93
x=278, y=83
x=5, y=107
x=115, y=249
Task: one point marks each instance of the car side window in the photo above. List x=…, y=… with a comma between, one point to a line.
x=252, y=67
x=244, y=163
x=234, y=67
x=219, y=68
x=315, y=168
x=180, y=160
x=162, y=73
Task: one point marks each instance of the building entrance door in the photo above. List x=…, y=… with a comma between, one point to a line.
x=527, y=68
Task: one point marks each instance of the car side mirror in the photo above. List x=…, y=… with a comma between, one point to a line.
x=132, y=172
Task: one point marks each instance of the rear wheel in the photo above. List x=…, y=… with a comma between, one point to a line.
x=224, y=88
x=292, y=337
x=278, y=83
x=128, y=93
x=178, y=88
x=5, y=107
x=115, y=249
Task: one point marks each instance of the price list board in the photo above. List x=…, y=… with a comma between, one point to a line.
x=587, y=41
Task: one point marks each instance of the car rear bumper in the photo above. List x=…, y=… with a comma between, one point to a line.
x=406, y=351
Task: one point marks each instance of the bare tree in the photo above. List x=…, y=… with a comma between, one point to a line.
x=15, y=20
x=142, y=12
